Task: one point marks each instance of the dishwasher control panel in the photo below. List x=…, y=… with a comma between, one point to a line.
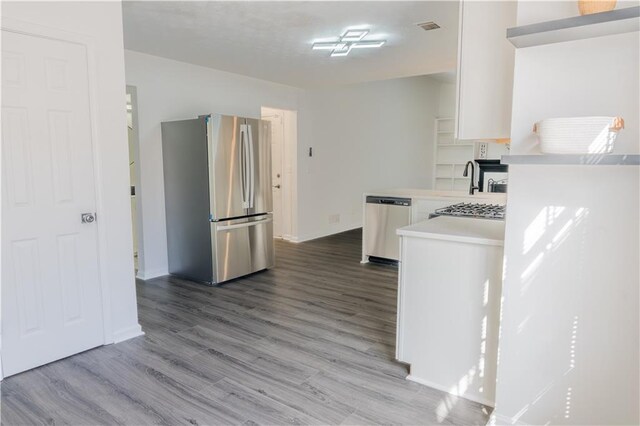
x=389, y=200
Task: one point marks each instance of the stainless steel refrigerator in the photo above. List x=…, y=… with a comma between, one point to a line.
x=217, y=184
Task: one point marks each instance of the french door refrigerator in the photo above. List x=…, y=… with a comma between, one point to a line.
x=217, y=183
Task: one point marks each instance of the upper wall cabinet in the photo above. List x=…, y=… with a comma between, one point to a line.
x=485, y=70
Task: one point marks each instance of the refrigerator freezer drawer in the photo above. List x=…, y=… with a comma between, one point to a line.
x=242, y=246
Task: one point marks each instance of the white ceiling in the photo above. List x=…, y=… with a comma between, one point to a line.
x=272, y=40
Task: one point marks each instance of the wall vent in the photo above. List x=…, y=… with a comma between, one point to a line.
x=427, y=26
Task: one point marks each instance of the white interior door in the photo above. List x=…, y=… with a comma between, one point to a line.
x=277, y=142
x=51, y=297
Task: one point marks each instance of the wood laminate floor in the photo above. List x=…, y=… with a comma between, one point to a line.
x=308, y=342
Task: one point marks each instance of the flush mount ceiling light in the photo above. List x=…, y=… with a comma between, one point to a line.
x=350, y=39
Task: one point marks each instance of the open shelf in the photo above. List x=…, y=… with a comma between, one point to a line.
x=576, y=28
x=450, y=157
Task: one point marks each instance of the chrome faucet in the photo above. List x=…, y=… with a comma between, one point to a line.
x=472, y=187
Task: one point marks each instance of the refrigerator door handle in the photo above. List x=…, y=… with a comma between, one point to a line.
x=252, y=169
x=244, y=224
x=243, y=164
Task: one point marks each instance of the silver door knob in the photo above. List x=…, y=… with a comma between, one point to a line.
x=88, y=217
x=277, y=186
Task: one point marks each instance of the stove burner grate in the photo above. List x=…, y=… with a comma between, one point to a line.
x=477, y=210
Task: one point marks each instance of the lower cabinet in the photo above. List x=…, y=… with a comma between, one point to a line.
x=448, y=314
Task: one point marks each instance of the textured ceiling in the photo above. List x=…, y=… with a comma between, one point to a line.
x=272, y=40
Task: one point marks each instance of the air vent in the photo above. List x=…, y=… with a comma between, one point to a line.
x=427, y=26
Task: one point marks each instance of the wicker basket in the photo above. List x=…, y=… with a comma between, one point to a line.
x=587, y=7
x=578, y=135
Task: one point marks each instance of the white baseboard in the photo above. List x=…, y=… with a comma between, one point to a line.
x=127, y=333
x=154, y=273
x=470, y=397
x=324, y=233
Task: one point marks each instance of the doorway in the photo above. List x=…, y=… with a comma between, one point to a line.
x=134, y=179
x=283, y=170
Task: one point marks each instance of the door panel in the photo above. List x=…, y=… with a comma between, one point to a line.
x=277, y=139
x=261, y=166
x=226, y=167
x=51, y=296
x=242, y=246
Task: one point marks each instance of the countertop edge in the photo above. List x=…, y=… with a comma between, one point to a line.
x=453, y=238
x=414, y=194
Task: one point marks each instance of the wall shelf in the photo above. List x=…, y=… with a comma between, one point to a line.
x=573, y=159
x=576, y=28
x=450, y=156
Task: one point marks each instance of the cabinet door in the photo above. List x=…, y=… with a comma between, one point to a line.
x=485, y=70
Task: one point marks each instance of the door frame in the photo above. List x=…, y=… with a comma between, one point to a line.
x=35, y=30
x=289, y=161
x=133, y=91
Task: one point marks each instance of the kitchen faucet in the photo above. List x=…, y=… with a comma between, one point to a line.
x=472, y=187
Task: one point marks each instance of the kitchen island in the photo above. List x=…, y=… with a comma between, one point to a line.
x=449, y=290
x=422, y=203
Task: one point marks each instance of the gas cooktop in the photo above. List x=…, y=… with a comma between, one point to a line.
x=474, y=210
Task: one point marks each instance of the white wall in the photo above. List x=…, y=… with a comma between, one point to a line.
x=102, y=21
x=364, y=136
x=569, y=346
x=172, y=90
x=447, y=100
x=569, y=343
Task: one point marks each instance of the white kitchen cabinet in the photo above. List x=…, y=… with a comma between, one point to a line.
x=485, y=70
x=449, y=304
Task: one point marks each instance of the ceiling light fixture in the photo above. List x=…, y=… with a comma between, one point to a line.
x=350, y=39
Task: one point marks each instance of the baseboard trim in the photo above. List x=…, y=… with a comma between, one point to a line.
x=473, y=398
x=127, y=333
x=325, y=233
x=154, y=273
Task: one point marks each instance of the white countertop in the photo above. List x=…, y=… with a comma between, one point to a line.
x=415, y=193
x=465, y=230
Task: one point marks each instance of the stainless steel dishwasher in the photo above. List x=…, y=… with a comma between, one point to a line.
x=383, y=216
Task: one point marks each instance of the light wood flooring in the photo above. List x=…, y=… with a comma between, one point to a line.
x=308, y=342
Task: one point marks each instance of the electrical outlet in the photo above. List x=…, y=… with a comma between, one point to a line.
x=334, y=218
x=483, y=147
